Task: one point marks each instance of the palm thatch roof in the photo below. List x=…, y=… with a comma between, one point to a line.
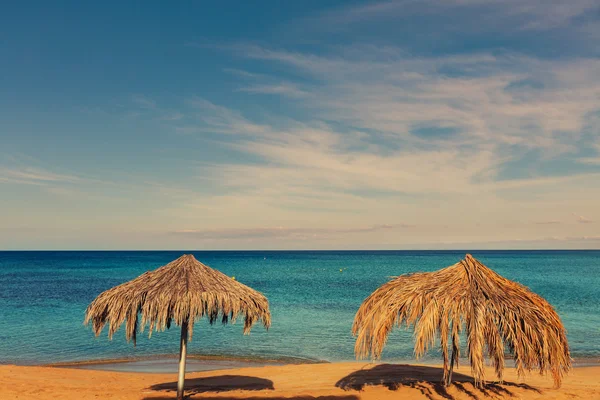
x=181, y=291
x=497, y=314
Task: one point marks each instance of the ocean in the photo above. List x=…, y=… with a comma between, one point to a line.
x=313, y=297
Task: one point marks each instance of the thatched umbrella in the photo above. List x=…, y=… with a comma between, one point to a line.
x=495, y=311
x=182, y=292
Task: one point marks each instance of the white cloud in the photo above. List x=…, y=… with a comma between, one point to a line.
x=283, y=89
x=538, y=15
x=552, y=222
x=144, y=101
x=283, y=232
x=415, y=140
x=34, y=176
x=382, y=89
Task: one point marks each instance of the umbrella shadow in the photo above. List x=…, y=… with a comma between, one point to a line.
x=222, y=383
x=427, y=380
x=348, y=397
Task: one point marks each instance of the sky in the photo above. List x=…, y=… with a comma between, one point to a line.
x=431, y=124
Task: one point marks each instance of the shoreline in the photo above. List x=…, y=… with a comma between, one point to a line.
x=167, y=363
x=285, y=360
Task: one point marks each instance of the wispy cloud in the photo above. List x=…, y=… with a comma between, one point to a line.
x=142, y=106
x=494, y=109
x=276, y=89
x=547, y=242
x=493, y=14
x=143, y=101
x=383, y=89
x=244, y=74
x=34, y=176
x=553, y=222
x=390, y=131
x=283, y=232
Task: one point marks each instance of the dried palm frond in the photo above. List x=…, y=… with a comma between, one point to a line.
x=496, y=313
x=181, y=291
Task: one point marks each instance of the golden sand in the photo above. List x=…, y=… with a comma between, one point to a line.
x=336, y=381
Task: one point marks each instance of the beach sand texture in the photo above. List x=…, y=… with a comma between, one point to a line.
x=335, y=381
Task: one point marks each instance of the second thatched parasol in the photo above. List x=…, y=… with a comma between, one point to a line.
x=496, y=312
x=182, y=292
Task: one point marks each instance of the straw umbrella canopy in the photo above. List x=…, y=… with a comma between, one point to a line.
x=494, y=312
x=181, y=292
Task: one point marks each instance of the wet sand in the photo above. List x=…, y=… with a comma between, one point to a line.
x=336, y=381
x=170, y=363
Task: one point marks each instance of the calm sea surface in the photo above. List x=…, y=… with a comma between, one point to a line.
x=43, y=297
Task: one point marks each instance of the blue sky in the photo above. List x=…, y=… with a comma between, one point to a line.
x=300, y=125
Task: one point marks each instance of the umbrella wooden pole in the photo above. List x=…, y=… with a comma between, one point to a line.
x=182, y=355
x=452, y=359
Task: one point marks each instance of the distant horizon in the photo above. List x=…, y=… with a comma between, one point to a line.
x=292, y=250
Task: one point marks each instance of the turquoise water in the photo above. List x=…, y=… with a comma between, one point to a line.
x=43, y=297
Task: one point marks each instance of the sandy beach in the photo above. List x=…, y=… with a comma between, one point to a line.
x=335, y=381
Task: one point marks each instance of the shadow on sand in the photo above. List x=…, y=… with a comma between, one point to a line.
x=427, y=380
x=225, y=383
x=222, y=383
x=262, y=398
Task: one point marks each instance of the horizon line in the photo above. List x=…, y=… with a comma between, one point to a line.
x=289, y=250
